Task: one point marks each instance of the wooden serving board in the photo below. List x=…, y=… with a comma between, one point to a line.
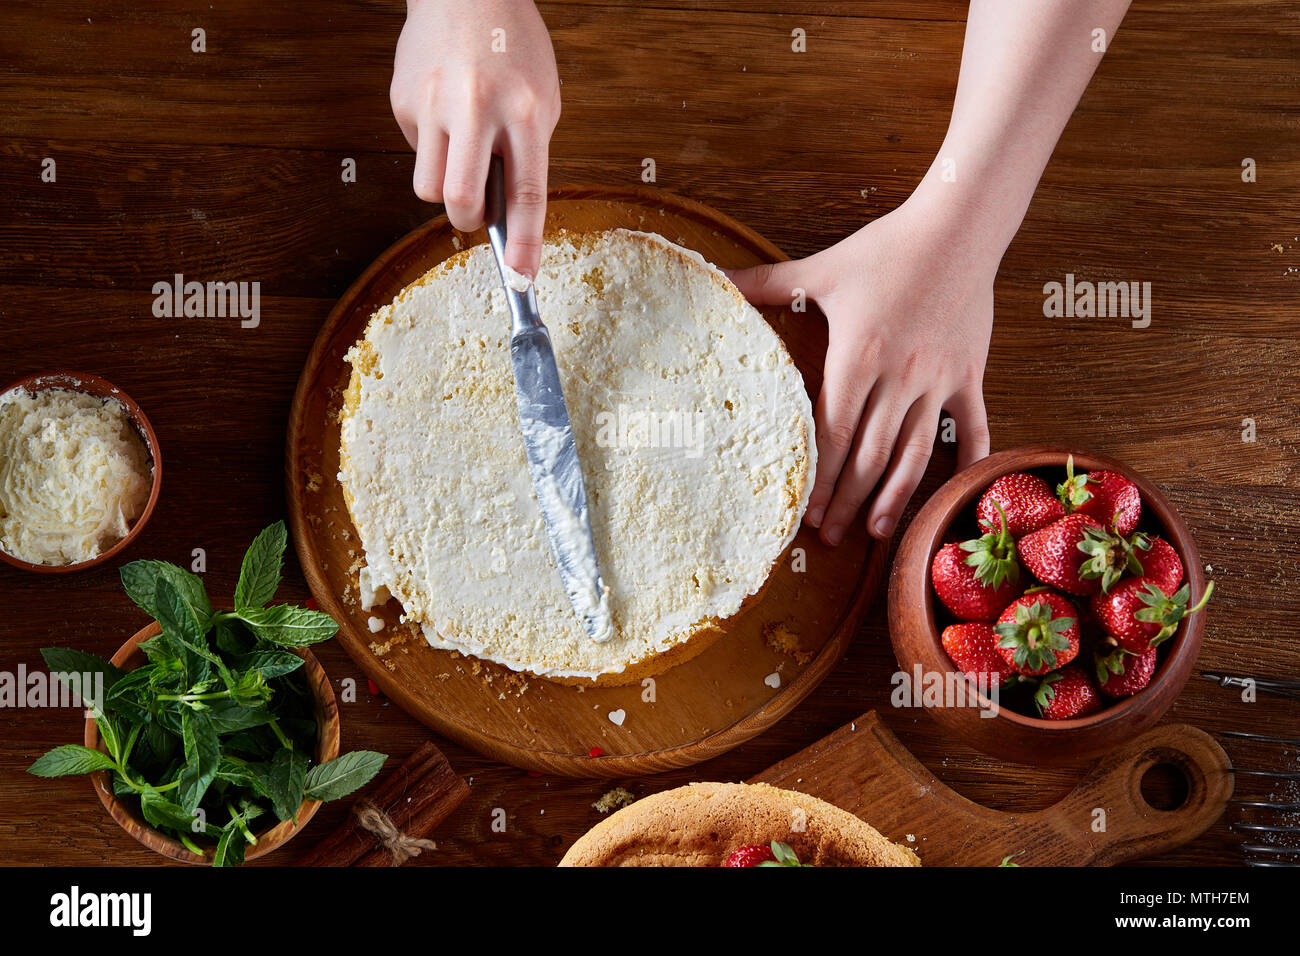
x=864, y=769
x=700, y=708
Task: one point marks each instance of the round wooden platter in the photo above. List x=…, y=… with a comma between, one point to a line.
x=774, y=655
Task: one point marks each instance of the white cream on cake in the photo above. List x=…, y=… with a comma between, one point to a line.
x=691, y=422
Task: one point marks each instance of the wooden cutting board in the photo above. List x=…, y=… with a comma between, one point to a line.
x=734, y=690
x=1105, y=820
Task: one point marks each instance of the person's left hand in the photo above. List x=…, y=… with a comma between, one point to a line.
x=908, y=301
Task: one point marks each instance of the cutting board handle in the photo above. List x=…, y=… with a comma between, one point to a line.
x=1106, y=819
x=863, y=768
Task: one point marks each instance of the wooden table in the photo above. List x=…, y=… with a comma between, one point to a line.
x=225, y=165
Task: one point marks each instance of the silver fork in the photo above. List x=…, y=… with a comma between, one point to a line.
x=1288, y=831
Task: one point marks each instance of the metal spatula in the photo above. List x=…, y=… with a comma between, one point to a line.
x=548, y=433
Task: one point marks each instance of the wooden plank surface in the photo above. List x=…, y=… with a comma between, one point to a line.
x=225, y=165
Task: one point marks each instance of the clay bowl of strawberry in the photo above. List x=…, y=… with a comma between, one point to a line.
x=1053, y=601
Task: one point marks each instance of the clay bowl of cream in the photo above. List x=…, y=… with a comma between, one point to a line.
x=80, y=472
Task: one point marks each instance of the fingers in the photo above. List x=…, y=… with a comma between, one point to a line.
x=465, y=186
x=912, y=451
x=772, y=283
x=845, y=387
x=867, y=461
x=430, y=162
x=525, y=155
x=967, y=409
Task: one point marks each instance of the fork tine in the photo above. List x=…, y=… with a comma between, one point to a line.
x=1265, y=805
x=1265, y=828
x=1276, y=774
x=1280, y=688
x=1265, y=848
x=1241, y=680
x=1262, y=738
x=1273, y=854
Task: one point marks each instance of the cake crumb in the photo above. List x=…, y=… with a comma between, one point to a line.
x=784, y=641
x=615, y=799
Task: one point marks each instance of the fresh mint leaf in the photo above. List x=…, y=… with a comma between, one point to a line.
x=185, y=632
x=70, y=759
x=231, y=637
x=160, y=743
x=251, y=776
x=120, y=787
x=259, y=575
x=250, y=688
x=255, y=743
x=169, y=718
x=179, y=620
x=343, y=775
x=130, y=696
x=65, y=660
x=140, y=581
x=230, y=847
x=249, y=810
x=202, y=756
x=158, y=649
x=271, y=664
x=287, y=779
x=289, y=626
x=228, y=716
x=158, y=811
x=108, y=731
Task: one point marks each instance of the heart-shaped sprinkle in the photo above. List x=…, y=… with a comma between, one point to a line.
x=618, y=716
x=772, y=680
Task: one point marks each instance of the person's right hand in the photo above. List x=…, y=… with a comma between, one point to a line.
x=472, y=78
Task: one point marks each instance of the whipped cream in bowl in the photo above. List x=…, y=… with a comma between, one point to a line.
x=79, y=471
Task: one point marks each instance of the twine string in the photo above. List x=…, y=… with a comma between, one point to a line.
x=400, y=846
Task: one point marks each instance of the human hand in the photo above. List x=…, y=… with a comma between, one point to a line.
x=472, y=78
x=908, y=301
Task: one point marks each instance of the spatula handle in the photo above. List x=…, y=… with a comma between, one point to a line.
x=524, y=314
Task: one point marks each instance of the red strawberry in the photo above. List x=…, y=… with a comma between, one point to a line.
x=977, y=578
x=1038, y=632
x=1138, y=615
x=1121, y=674
x=1115, y=501
x=1027, y=501
x=753, y=855
x=1109, y=556
x=972, y=647
x=1067, y=693
x=1160, y=562
x=1105, y=495
x=1056, y=555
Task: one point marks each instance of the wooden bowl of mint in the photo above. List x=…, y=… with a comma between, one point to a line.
x=216, y=736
